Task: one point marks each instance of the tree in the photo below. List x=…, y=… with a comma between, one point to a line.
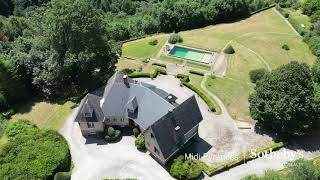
x=257, y=74
x=316, y=71
x=72, y=52
x=12, y=85
x=310, y=6
x=284, y=100
x=13, y=26
x=6, y=7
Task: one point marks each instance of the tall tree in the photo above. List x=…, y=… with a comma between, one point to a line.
x=73, y=48
x=284, y=100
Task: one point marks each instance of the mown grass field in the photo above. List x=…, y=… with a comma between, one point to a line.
x=44, y=114
x=141, y=49
x=258, y=42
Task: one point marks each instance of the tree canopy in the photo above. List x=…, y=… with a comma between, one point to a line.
x=284, y=100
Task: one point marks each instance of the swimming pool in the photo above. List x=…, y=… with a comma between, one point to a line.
x=190, y=54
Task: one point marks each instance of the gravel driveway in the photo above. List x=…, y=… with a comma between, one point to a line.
x=220, y=140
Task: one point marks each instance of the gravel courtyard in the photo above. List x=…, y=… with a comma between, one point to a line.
x=220, y=139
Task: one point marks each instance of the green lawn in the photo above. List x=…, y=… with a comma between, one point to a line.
x=196, y=81
x=257, y=41
x=44, y=114
x=198, y=66
x=234, y=94
x=141, y=49
x=171, y=60
x=297, y=16
x=215, y=37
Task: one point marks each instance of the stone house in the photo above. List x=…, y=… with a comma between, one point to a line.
x=167, y=126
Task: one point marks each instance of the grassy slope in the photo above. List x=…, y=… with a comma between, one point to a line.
x=196, y=81
x=45, y=115
x=141, y=48
x=217, y=36
x=257, y=41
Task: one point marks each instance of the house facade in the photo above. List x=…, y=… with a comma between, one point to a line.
x=166, y=125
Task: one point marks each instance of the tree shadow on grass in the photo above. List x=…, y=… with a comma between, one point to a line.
x=308, y=143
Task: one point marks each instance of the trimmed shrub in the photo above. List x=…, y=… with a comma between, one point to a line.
x=112, y=135
x=62, y=176
x=229, y=50
x=202, y=95
x=153, y=42
x=127, y=70
x=285, y=47
x=159, y=64
x=136, y=132
x=148, y=75
x=245, y=157
x=184, y=81
x=139, y=142
x=185, y=169
x=257, y=74
x=183, y=77
x=175, y=38
x=196, y=72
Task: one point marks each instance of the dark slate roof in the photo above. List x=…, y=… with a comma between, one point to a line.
x=187, y=115
x=89, y=110
x=150, y=105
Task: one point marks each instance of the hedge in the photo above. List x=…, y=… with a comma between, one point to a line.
x=196, y=72
x=185, y=169
x=183, y=77
x=156, y=72
x=159, y=64
x=62, y=176
x=206, y=99
x=263, y=9
x=245, y=157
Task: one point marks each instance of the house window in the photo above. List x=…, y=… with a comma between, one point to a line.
x=156, y=151
x=114, y=119
x=151, y=135
x=90, y=124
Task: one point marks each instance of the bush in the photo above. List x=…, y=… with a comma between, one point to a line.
x=136, y=132
x=139, y=142
x=196, y=72
x=159, y=64
x=229, y=50
x=19, y=127
x=206, y=99
x=112, y=135
x=148, y=75
x=240, y=159
x=183, y=77
x=175, y=38
x=33, y=154
x=285, y=47
x=62, y=176
x=185, y=169
x=257, y=74
x=153, y=42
